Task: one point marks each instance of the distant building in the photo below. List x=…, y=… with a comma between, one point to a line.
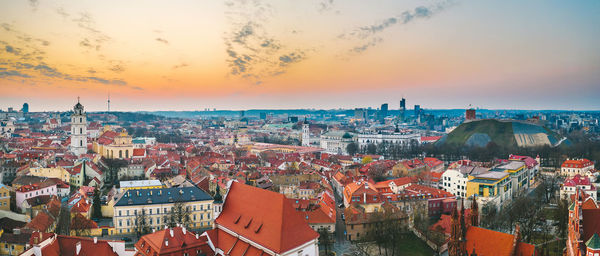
x=336, y=142
x=78, y=130
x=470, y=114
x=25, y=108
x=360, y=113
x=417, y=110
x=383, y=112
x=305, y=134
x=402, y=108
x=404, y=138
x=263, y=116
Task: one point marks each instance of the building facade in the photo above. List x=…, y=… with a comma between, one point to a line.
x=78, y=130
x=158, y=203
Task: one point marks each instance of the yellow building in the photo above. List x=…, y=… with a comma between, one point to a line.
x=490, y=184
x=158, y=204
x=53, y=172
x=12, y=244
x=4, y=197
x=114, y=144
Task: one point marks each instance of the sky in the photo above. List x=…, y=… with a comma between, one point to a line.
x=321, y=54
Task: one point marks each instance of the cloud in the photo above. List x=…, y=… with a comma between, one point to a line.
x=325, y=5
x=291, y=58
x=34, y=4
x=60, y=11
x=162, y=40
x=361, y=48
x=253, y=53
x=181, y=65
x=13, y=73
x=366, y=38
x=94, y=38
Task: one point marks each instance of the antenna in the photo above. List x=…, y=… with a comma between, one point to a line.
x=108, y=102
x=77, y=99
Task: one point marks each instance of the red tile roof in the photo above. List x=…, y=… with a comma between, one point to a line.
x=172, y=241
x=489, y=242
x=264, y=217
x=577, y=163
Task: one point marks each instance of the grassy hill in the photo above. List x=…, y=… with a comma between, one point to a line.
x=481, y=132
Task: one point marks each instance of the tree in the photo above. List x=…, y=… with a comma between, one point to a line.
x=141, y=223
x=352, y=148
x=64, y=221
x=561, y=217
x=81, y=225
x=367, y=159
x=96, y=205
x=325, y=239
x=179, y=214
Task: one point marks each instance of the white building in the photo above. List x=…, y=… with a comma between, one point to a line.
x=156, y=204
x=78, y=130
x=572, y=184
x=572, y=167
x=455, y=180
x=405, y=138
x=305, y=134
x=34, y=190
x=336, y=142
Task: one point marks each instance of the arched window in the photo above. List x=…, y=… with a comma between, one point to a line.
x=126, y=153
x=81, y=119
x=81, y=143
x=120, y=154
x=80, y=130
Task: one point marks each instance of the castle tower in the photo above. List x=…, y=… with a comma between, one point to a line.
x=474, y=213
x=78, y=130
x=305, y=134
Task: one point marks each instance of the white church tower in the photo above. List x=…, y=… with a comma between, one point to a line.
x=78, y=130
x=305, y=134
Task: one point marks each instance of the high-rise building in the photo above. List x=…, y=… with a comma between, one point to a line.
x=383, y=112
x=25, y=108
x=360, y=113
x=78, y=130
x=402, y=108
x=417, y=110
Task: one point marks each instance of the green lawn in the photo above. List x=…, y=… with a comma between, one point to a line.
x=412, y=245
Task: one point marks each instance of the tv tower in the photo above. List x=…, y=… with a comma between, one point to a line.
x=108, y=102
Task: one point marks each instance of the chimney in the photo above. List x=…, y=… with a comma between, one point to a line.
x=183, y=230
x=95, y=240
x=197, y=236
x=171, y=232
x=166, y=242
x=77, y=248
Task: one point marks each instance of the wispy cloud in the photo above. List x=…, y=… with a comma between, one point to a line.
x=366, y=36
x=180, y=65
x=252, y=52
x=162, y=40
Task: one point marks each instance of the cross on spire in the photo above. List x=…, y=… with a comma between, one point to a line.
x=77, y=99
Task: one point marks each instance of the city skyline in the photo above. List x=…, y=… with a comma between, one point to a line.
x=288, y=55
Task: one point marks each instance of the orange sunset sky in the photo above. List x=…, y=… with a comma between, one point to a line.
x=242, y=54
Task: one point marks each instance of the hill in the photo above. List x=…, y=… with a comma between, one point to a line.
x=504, y=133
